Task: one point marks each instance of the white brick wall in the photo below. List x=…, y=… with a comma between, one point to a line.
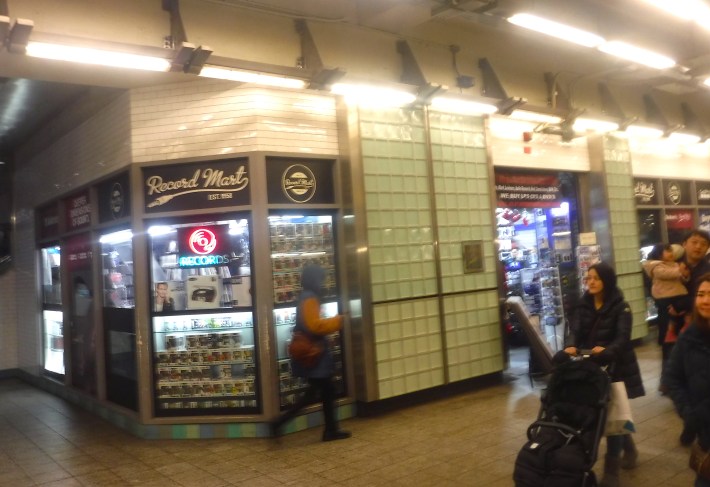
x=219, y=118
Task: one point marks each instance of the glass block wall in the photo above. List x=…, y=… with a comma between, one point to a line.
x=408, y=346
x=473, y=334
x=407, y=321
x=463, y=198
x=624, y=228
x=463, y=213
x=399, y=223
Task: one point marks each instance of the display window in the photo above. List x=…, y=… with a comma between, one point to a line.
x=119, y=317
x=202, y=318
x=536, y=236
x=296, y=241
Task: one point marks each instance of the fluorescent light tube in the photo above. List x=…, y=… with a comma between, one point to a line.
x=637, y=55
x=458, y=105
x=644, y=131
x=529, y=116
x=251, y=77
x=101, y=57
x=584, y=124
x=684, y=138
x=373, y=95
x=121, y=236
x=695, y=10
x=555, y=29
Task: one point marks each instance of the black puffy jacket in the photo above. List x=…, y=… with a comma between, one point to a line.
x=608, y=327
x=688, y=380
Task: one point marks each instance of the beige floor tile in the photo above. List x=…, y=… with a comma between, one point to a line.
x=469, y=439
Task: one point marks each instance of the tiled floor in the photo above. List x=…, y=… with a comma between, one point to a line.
x=466, y=440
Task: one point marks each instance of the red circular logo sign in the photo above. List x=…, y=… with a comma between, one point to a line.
x=202, y=241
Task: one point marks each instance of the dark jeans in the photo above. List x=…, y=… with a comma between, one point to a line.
x=323, y=388
x=700, y=482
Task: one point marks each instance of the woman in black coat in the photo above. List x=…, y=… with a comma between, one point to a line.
x=602, y=324
x=688, y=371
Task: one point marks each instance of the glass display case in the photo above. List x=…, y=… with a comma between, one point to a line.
x=119, y=318
x=297, y=241
x=202, y=319
x=117, y=269
x=52, y=316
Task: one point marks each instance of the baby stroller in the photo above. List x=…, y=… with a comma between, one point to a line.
x=563, y=442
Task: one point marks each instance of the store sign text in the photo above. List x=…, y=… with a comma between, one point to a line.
x=213, y=181
x=644, y=192
x=79, y=212
x=202, y=260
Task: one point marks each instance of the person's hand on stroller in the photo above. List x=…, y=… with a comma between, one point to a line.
x=597, y=350
x=572, y=351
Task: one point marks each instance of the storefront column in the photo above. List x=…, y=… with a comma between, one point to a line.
x=611, y=214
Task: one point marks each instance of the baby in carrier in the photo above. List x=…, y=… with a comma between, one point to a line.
x=668, y=289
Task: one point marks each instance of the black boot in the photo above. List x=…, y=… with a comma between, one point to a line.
x=630, y=457
x=336, y=435
x=611, y=472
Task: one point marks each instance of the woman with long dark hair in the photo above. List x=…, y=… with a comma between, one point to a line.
x=602, y=323
x=688, y=372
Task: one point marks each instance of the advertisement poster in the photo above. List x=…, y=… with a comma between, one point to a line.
x=78, y=211
x=527, y=190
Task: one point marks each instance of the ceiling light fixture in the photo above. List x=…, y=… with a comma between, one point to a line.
x=101, y=57
x=644, y=131
x=637, y=55
x=372, y=95
x=530, y=116
x=684, y=138
x=462, y=106
x=555, y=29
x=19, y=35
x=695, y=10
x=251, y=77
x=595, y=125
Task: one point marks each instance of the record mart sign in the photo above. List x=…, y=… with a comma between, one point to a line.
x=179, y=187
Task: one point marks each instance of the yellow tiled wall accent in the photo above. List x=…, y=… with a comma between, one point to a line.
x=624, y=229
x=473, y=336
x=399, y=223
x=463, y=198
x=408, y=341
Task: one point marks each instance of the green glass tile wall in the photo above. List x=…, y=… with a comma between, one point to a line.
x=399, y=222
x=624, y=229
x=408, y=341
x=632, y=287
x=463, y=198
x=473, y=336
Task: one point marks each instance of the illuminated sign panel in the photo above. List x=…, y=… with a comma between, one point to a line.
x=203, y=246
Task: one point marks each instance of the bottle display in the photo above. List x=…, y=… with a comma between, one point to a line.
x=203, y=326
x=297, y=241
